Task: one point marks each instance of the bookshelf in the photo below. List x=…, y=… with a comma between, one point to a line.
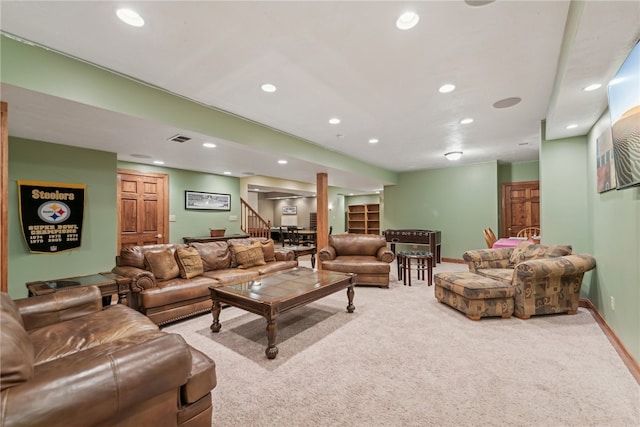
x=363, y=219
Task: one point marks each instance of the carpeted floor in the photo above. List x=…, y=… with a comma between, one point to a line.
x=403, y=359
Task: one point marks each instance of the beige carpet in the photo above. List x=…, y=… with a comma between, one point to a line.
x=403, y=359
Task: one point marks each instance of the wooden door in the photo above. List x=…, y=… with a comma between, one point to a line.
x=520, y=206
x=143, y=206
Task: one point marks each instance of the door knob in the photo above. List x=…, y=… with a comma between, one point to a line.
x=159, y=236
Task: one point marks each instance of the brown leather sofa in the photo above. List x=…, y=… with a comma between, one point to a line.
x=165, y=292
x=66, y=361
x=366, y=255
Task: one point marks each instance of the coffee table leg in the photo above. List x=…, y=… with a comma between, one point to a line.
x=272, y=334
x=215, y=312
x=350, y=293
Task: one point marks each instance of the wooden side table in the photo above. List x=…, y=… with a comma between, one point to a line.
x=301, y=250
x=109, y=284
x=424, y=262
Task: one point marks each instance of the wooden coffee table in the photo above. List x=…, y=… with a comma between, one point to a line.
x=272, y=295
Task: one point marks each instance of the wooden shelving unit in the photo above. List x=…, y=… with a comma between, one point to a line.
x=313, y=220
x=363, y=219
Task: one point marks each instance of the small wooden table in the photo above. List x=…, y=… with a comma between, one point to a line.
x=424, y=262
x=301, y=250
x=109, y=284
x=272, y=295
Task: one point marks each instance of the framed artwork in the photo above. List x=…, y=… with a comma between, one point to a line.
x=606, y=170
x=200, y=200
x=289, y=210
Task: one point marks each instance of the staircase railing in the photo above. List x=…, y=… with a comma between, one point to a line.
x=252, y=223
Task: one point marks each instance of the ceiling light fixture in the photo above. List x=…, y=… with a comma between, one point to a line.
x=592, y=87
x=571, y=126
x=282, y=162
x=334, y=121
x=453, y=155
x=373, y=141
x=466, y=121
x=268, y=87
x=130, y=17
x=447, y=88
x=209, y=145
x=226, y=173
x=407, y=20
x=158, y=162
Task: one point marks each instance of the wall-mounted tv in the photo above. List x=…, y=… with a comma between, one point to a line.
x=624, y=109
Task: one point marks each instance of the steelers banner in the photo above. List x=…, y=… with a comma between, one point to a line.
x=51, y=215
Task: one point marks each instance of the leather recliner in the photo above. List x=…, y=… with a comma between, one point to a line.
x=67, y=361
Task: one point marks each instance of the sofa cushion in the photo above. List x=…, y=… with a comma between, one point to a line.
x=214, y=255
x=229, y=275
x=357, y=264
x=526, y=251
x=268, y=250
x=162, y=264
x=17, y=351
x=189, y=262
x=248, y=256
x=502, y=274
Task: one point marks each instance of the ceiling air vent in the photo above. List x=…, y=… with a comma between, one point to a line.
x=179, y=138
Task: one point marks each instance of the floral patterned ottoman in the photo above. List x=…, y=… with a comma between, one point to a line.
x=474, y=295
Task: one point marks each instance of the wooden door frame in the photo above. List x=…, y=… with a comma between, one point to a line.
x=4, y=204
x=165, y=195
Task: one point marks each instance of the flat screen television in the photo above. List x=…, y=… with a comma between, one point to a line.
x=624, y=109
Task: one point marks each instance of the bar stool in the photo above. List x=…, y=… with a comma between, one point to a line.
x=423, y=262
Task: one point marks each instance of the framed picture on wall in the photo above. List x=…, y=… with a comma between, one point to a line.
x=289, y=210
x=207, y=201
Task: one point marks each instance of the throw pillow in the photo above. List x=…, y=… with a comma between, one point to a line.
x=268, y=250
x=249, y=256
x=162, y=264
x=189, y=262
x=517, y=256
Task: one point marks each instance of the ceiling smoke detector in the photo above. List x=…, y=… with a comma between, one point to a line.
x=179, y=138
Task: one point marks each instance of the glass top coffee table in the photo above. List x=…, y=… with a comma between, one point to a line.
x=272, y=295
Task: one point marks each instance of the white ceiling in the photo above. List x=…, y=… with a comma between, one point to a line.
x=334, y=59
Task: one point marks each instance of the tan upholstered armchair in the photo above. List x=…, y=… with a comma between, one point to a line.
x=547, y=279
x=366, y=255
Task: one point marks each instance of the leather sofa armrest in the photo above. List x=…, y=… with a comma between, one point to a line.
x=283, y=254
x=57, y=307
x=119, y=380
x=385, y=255
x=487, y=258
x=328, y=253
x=140, y=279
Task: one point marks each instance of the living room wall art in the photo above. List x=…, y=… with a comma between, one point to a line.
x=606, y=171
x=289, y=210
x=200, y=200
x=51, y=215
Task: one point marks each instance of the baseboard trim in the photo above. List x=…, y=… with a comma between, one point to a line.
x=454, y=260
x=626, y=357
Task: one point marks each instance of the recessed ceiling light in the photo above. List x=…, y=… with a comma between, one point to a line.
x=373, y=141
x=572, y=126
x=447, y=88
x=268, y=87
x=130, y=17
x=592, y=87
x=226, y=173
x=141, y=156
x=158, y=162
x=209, y=145
x=453, y=155
x=466, y=121
x=334, y=120
x=282, y=162
x=407, y=20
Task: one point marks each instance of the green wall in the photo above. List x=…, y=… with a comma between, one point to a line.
x=458, y=201
x=40, y=161
x=194, y=222
x=614, y=218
